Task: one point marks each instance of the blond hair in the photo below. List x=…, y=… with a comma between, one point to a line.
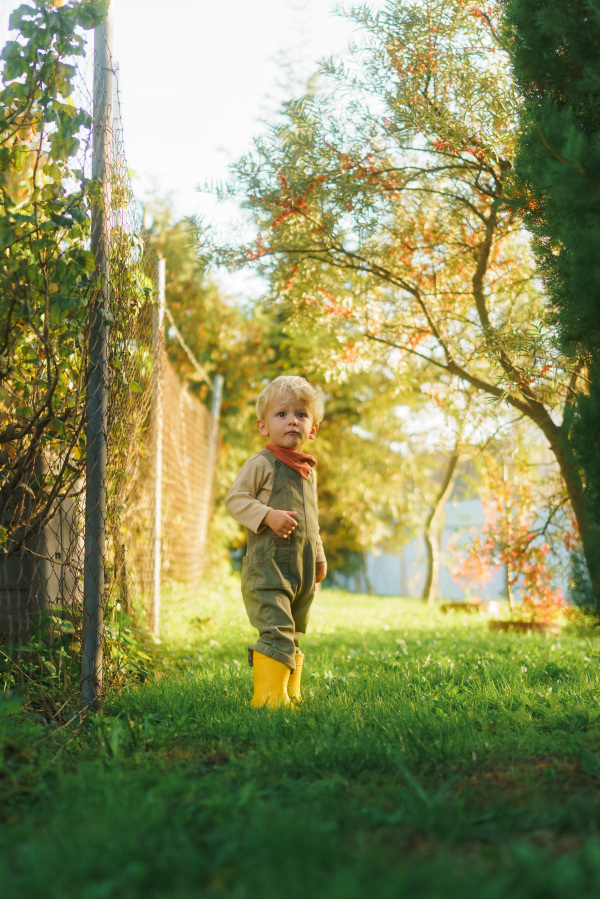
x=292, y=385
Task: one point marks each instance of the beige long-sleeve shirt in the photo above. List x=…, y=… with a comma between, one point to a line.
x=248, y=497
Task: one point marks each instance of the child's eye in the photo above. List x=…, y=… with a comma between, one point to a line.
x=281, y=414
x=301, y=414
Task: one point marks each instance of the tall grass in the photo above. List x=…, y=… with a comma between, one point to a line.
x=430, y=758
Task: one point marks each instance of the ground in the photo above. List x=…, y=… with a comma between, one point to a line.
x=431, y=758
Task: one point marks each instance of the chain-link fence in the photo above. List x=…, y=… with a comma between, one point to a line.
x=106, y=461
x=171, y=472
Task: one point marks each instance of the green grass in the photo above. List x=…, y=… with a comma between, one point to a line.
x=431, y=758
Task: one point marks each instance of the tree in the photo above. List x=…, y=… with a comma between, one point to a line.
x=251, y=345
x=516, y=537
x=379, y=203
x=555, y=51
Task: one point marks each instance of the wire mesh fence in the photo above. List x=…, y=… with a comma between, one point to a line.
x=168, y=497
x=106, y=461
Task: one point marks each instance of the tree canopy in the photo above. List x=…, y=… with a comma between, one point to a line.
x=379, y=203
x=251, y=345
x=555, y=49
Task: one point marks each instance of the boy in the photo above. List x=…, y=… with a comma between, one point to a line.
x=274, y=497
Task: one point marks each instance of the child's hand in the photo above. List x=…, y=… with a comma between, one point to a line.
x=281, y=523
x=320, y=572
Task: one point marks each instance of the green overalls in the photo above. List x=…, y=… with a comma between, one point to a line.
x=278, y=574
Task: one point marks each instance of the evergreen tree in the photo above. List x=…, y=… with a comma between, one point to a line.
x=556, y=57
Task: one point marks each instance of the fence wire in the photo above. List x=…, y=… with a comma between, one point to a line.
x=92, y=417
x=171, y=472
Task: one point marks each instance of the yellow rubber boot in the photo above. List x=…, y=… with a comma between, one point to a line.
x=295, y=678
x=270, y=682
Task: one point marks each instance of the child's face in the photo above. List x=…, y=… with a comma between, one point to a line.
x=288, y=422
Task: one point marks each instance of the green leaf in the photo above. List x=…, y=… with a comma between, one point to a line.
x=16, y=64
x=63, y=146
x=64, y=221
x=16, y=18
x=43, y=243
x=18, y=157
x=86, y=260
x=92, y=14
x=135, y=387
x=11, y=50
x=62, y=304
x=53, y=171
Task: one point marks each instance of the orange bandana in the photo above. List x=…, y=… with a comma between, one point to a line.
x=300, y=462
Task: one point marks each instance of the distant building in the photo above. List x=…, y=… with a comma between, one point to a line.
x=403, y=574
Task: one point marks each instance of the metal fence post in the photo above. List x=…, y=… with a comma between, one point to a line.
x=215, y=415
x=211, y=464
x=97, y=384
x=158, y=351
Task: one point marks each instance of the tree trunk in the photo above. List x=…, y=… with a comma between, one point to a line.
x=432, y=546
x=365, y=574
x=559, y=444
x=508, y=571
x=509, y=590
x=572, y=478
x=432, y=531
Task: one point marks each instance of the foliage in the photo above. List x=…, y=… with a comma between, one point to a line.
x=46, y=669
x=48, y=273
x=554, y=48
x=379, y=204
x=517, y=540
x=226, y=338
x=250, y=346
x=557, y=69
x=50, y=290
x=431, y=758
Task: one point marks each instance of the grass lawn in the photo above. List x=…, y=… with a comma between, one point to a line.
x=431, y=758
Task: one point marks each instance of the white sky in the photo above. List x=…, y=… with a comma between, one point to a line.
x=198, y=78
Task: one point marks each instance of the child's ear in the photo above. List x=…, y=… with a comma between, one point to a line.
x=313, y=432
x=262, y=428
